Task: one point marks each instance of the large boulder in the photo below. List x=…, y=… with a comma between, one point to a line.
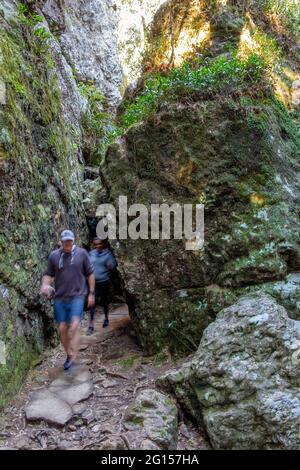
x=232, y=146
x=209, y=151
x=151, y=421
x=243, y=382
x=286, y=293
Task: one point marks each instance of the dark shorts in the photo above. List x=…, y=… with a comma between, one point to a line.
x=102, y=290
x=66, y=309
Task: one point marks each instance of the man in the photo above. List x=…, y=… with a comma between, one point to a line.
x=103, y=262
x=72, y=272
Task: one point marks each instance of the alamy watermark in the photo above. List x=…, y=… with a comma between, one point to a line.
x=156, y=221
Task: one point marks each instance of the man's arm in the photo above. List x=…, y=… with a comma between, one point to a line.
x=91, y=296
x=46, y=288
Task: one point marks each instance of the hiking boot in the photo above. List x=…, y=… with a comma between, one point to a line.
x=68, y=363
x=90, y=331
x=74, y=367
x=105, y=323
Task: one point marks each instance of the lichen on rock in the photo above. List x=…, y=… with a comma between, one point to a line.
x=242, y=384
x=152, y=417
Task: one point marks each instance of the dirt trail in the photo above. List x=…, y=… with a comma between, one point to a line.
x=84, y=409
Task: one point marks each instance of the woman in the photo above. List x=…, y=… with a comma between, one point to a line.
x=103, y=262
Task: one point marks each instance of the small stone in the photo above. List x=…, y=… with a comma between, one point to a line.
x=63, y=445
x=78, y=422
x=183, y=430
x=79, y=408
x=113, y=443
x=88, y=417
x=106, y=430
x=296, y=84
x=96, y=428
x=109, y=383
x=47, y=407
x=40, y=379
x=98, y=379
x=146, y=444
x=22, y=442
x=75, y=393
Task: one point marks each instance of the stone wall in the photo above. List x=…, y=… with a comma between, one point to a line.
x=41, y=175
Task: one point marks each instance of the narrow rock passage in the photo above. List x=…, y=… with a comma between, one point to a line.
x=96, y=405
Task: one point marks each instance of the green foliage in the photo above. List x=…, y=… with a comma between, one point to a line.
x=95, y=115
x=191, y=77
x=208, y=77
x=28, y=17
x=258, y=117
x=183, y=339
x=33, y=96
x=21, y=355
x=289, y=125
x=97, y=123
x=111, y=132
x=91, y=92
x=128, y=362
x=287, y=11
x=22, y=9
x=42, y=33
x=269, y=49
x=32, y=20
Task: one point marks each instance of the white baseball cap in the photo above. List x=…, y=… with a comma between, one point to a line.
x=67, y=235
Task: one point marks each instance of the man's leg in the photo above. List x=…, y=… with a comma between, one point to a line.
x=61, y=311
x=76, y=314
x=74, y=337
x=63, y=331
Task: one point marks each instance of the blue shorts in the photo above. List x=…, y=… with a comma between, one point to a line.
x=66, y=309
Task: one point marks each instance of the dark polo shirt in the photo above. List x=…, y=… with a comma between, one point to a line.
x=70, y=272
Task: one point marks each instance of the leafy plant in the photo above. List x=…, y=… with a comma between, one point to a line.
x=96, y=121
x=28, y=17
x=201, y=76
x=287, y=12
x=208, y=76
x=23, y=9
x=42, y=33
x=32, y=20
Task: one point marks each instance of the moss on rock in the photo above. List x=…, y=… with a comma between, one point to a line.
x=40, y=179
x=214, y=150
